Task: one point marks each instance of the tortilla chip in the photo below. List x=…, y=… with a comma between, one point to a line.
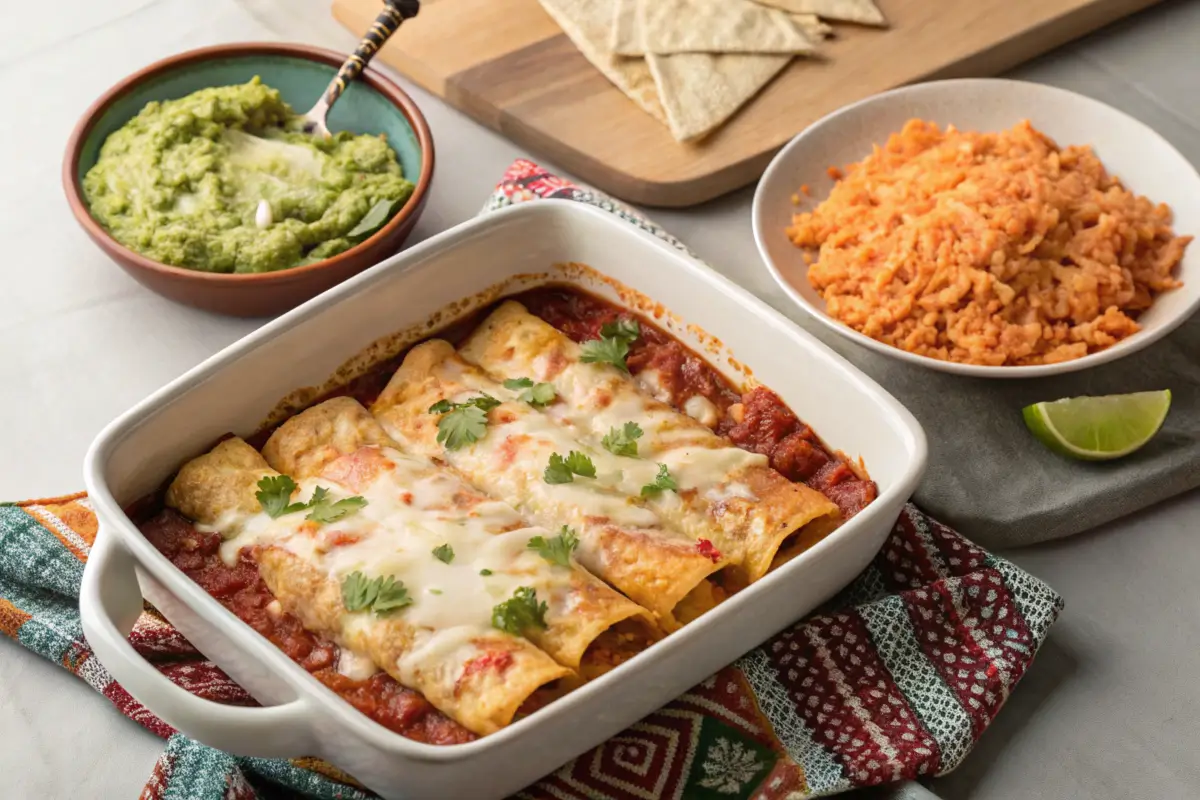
x=812, y=26
x=626, y=34
x=588, y=23
x=666, y=27
x=863, y=12
x=699, y=91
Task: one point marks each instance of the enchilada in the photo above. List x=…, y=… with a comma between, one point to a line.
x=524, y=456
x=472, y=534
x=476, y=676
x=439, y=639
x=726, y=495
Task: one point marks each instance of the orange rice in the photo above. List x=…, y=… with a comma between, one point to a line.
x=988, y=248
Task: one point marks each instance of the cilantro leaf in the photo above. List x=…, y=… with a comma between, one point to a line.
x=463, y=423
x=391, y=595
x=324, y=511
x=379, y=594
x=622, y=328
x=556, y=549
x=662, y=482
x=358, y=592
x=536, y=394
x=519, y=612
x=540, y=394
x=564, y=470
x=485, y=572
x=273, y=495
x=580, y=464
x=557, y=471
x=613, y=344
x=623, y=441
x=461, y=427
x=605, y=351
x=274, y=492
x=484, y=402
x=444, y=553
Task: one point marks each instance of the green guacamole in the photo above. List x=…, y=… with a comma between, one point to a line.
x=225, y=180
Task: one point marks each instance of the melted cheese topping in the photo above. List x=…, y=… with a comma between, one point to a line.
x=607, y=512
x=413, y=508
x=697, y=458
x=355, y=666
x=709, y=471
x=701, y=409
x=511, y=459
x=455, y=645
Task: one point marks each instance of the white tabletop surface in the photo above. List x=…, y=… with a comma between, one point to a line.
x=1110, y=709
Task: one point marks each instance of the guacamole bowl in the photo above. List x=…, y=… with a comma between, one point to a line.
x=371, y=105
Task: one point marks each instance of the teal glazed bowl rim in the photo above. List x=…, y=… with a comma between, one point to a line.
x=122, y=254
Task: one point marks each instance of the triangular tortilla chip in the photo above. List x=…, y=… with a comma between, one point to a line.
x=863, y=12
x=626, y=33
x=588, y=23
x=666, y=27
x=700, y=91
x=812, y=26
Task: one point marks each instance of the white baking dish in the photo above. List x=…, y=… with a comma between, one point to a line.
x=234, y=391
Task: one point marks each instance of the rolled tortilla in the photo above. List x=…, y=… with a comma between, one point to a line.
x=726, y=495
x=339, y=440
x=620, y=539
x=475, y=674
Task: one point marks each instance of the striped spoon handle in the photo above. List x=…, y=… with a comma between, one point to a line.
x=394, y=12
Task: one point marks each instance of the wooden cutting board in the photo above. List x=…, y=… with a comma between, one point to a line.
x=507, y=64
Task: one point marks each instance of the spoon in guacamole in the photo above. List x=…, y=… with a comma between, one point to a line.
x=394, y=13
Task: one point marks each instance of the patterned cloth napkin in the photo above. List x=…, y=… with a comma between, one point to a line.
x=895, y=678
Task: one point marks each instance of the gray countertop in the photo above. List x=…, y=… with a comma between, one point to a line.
x=1109, y=709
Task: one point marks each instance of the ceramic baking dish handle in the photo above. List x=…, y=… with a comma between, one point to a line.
x=109, y=604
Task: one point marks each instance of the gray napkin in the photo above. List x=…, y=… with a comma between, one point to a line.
x=992, y=481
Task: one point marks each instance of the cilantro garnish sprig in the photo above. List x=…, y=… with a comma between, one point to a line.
x=462, y=424
x=662, y=482
x=564, y=470
x=444, y=553
x=380, y=594
x=520, y=612
x=621, y=328
x=613, y=345
x=536, y=394
x=623, y=441
x=556, y=549
x=275, y=492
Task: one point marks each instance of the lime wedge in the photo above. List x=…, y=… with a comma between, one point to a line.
x=1098, y=428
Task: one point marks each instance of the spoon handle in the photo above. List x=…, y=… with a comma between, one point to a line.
x=394, y=12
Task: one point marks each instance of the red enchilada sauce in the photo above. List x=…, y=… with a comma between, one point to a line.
x=756, y=420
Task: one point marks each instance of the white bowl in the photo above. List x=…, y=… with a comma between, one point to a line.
x=1146, y=163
